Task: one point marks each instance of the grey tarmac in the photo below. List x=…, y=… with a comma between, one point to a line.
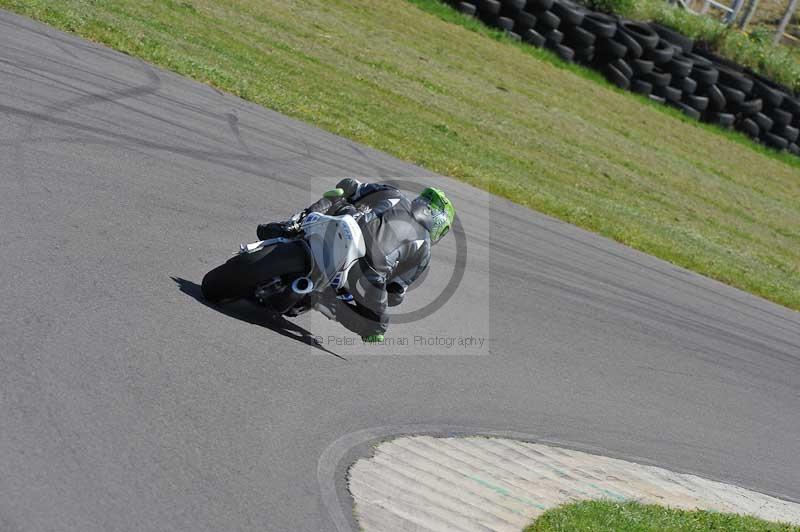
x=128, y=404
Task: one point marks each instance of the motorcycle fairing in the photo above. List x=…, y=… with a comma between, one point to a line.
x=336, y=244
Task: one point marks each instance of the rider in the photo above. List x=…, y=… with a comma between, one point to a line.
x=398, y=234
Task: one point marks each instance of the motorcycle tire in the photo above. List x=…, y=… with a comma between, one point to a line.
x=239, y=277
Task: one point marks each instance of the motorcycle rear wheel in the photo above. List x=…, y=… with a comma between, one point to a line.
x=239, y=277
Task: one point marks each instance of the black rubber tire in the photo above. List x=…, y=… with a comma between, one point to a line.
x=698, y=59
x=524, y=22
x=564, y=52
x=657, y=98
x=794, y=149
x=686, y=85
x=679, y=67
x=569, y=12
x=467, y=8
x=642, y=67
x=689, y=111
x=547, y=19
x=537, y=6
x=732, y=96
x=504, y=23
x=774, y=141
x=534, y=38
x=725, y=120
x=671, y=94
x=749, y=107
x=718, y=60
x=514, y=36
x=513, y=6
x=616, y=77
x=767, y=81
x=579, y=37
x=735, y=79
x=668, y=34
x=610, y=49
x=788, y=132
x=553, y=37
x=635, y=49
x=677, y=50
x=716, y=100
x=748, y=127
x=780, y=116
x=489, y=8
x=640, y=86
x=239, y=277
x=772, y=97
x=599, y=24
x=704, y=74
x=662, y=53
x=658, y=78
x=764, y=122
x=623, y=67
x=584, y=54
x=644, y=34
x=792, y=105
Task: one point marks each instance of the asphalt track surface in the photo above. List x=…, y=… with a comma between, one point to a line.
x=126, y=403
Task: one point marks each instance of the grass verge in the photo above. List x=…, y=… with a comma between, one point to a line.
x=606, y=516
x=446, y=93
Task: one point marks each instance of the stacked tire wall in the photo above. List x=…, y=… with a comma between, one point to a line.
x=654, y=61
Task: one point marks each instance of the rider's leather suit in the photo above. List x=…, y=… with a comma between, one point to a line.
x=398, y=250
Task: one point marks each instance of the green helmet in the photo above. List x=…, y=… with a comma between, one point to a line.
x=442, y=212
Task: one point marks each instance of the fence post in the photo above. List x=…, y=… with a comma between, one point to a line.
x=748, y=14
x=790, y=9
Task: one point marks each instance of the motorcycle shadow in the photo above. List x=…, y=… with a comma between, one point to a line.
x=250, y=313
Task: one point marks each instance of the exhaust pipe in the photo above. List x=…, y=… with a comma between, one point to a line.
x=302, y=285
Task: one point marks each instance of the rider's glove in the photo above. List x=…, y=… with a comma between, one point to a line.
x=373, y=338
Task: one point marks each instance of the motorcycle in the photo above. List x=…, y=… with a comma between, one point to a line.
x=291, y=275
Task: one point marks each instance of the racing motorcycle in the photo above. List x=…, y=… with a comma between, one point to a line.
x=291, y=275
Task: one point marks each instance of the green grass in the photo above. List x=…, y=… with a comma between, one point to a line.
x=420, y=81
x=607, y=516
